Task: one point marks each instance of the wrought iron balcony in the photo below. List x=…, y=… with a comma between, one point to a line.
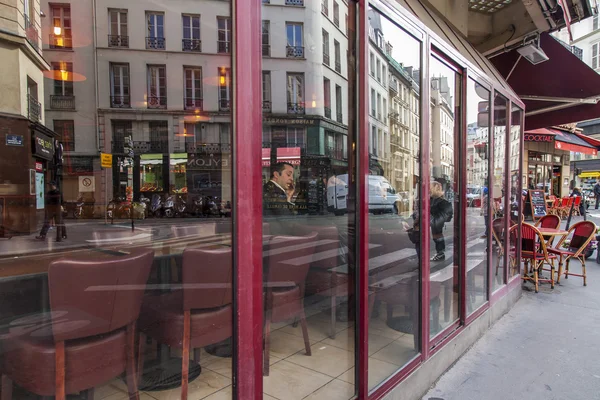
x=34, y=109
x=266, y=50
x=32, y=34
x=223, y=46
x=62, y=102
x=266, y=106
x=157, y=101
x=193, y=104
x=327, y=112
x=295, y=108
x=325, y=9
x=209, y=148
x=155, y=43
x=326, y=58
x=295, y=52
x=191, y=45
x=60, y=42
x=294, y=2
x=339, y=117
x=118, y=41
x=338, y=67
x=120, y=102
x=224, y=105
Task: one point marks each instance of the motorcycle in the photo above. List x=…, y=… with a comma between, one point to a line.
x=84, y=209
x=156, y=206
x=211, y=208
x=174, y=205
x=197, y=206
x=118, y=208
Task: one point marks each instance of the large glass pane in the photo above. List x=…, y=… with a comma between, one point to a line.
x=498, y=193
x=444, y=196
x=122, y=258
x=478, y=193
x=393, y=181
x=309, y=203
x=516, y=195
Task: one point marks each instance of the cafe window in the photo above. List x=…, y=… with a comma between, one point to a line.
x=498, y=185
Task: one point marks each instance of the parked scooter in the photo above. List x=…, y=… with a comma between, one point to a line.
x=118, y=208
x=84, y=209
x=174, y=205
x=156, y=206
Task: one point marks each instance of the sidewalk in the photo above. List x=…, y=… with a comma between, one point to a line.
x=546, y=348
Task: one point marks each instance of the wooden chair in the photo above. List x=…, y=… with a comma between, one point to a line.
x=555, y=208
x=548, y=221
x=582, y=234
x=534, y=251
x=576, y=205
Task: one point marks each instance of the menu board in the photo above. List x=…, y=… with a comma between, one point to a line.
x=537, y=199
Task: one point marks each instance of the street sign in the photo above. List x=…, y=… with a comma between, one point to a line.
x=86, y=184
x=106, y=160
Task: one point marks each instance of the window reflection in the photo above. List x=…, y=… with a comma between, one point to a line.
x=393, y=182
x=516, y=197
x=498, y=192
x=308, y=202
x=445, y=126
x=478, y=193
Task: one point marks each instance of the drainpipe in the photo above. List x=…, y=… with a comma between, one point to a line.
x=96, y=100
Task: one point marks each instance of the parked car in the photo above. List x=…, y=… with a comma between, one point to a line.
x=382, y=196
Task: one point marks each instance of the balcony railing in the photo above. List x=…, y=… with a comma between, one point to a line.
x=339, y=117
x=266, y=50
x=326, y=58
x=573, y=49
x=155, y=43
x=118, y=41
x=338, y=67
x=32, y=34
x=295, y=52
x=224, y=105
x=295, y=108
x=62, y=102
x=294, y=2
x=325, y=9
x=393, y=85
x=120, y=102
x=191, y=45
x=395, y=118
x=34, y=109
x=209, y=148
x=157, y=101
x=266, y=105
x=223, y=46
x=336, y=20
x=335, y=153
x=327, y=112
x=60, y=42
x=193, y=104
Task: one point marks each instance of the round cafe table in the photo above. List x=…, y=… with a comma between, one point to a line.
x=552, y=232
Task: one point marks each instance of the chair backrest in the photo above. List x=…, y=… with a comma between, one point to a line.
x=93, y=297
x=549, y=221
x=532, y=241
x=498, y=230
x=557, y=203
x=577, y=201
x=207, y=277
x=564, y=202
x=583, y=232
x=292, y=266
x=552, y=197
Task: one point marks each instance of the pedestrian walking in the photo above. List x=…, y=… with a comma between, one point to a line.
x=597, y=193
x=441, y=212
x=53, y=213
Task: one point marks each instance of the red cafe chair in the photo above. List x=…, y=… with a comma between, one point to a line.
x=534, y=251
x=582, y=234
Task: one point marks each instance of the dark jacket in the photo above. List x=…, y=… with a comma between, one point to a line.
x=441, y=212
x=597, y=189
x=275, y=200
x=53, y=200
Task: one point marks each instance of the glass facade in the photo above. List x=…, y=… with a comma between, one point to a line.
x=146, y=247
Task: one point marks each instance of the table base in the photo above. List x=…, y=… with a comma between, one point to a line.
x=222, y=349
x=402, y=324
x=165, y=375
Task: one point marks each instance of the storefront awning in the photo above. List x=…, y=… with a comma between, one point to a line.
x=565, y=89
x=563, y=140
x=589, y=174
x=284, y=154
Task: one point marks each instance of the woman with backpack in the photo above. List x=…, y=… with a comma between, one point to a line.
x=441, y=212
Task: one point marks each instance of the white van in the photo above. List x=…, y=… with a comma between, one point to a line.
x=382, y=196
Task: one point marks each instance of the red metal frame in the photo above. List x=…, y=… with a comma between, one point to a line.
x=247, y=201
x=508, y=205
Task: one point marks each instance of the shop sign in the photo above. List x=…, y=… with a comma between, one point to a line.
x=39, y=167
x=106, y=160
x=77, y=165
x=207, y=162
x=43, y=146
x=86, y=184
x=289, y=121
x=538, y=138
x=14, y=140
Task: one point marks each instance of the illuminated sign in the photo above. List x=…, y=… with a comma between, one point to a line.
x=43, y=146
x=539, y=138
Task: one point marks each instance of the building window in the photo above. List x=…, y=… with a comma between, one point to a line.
x=157, y=86
x=266, y=91
x=155, y=24
x=336, y=13
x=327, y=97
x=225, y=133
x=266, y=38
x=121, y=130
x=191, y=33
x=159, y=136
x=372, y=64
x=595, y=48
x=346, y=19
x=325, y=7
x=383, y=74
x=373, y=100
x=119, y=85
x=379, y=106
x=338, y=61
x=224, y=89
x=224, y=35
x=295, y=93
x=193, y=88
x=60, y=37
x=325, y=47
x=62, y=95
x=595, y=23
x=378, y=70
x=295, y=46
x=295, y=137
x=66, y=130
x=117, y=21
x=338, y=103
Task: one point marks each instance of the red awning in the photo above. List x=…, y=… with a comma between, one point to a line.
x=284, y=154
x=564, y=90
x=564, y=140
